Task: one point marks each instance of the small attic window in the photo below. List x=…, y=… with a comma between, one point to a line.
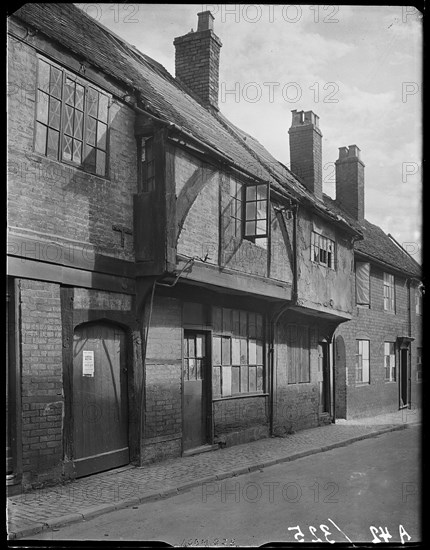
x=256, y=211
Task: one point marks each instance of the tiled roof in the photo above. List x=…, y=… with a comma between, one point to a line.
x=163, y=95
x=378, y=246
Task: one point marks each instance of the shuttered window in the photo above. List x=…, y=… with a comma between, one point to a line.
x=362, y=283
x=298, y=354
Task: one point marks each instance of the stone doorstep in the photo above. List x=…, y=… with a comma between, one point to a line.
x=201, y=449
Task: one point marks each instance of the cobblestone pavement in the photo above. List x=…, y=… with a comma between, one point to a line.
x=32, y=512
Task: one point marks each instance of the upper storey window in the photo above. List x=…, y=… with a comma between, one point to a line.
x=256, y=202
x=71, y=119
x=389, y=292
x=322, y=250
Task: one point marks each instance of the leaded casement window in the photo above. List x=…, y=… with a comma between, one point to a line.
x=236, y=208
x=390, y=361
x=389, y=292
x=362, y=283
x=298, y=354
x=237, y=352
x=362, y=362
x=71, y=119
x=322, y=250
x=419, y=364
x=147, y=165
x=256, y=203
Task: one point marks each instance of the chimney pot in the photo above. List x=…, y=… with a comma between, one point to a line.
x=205, y=21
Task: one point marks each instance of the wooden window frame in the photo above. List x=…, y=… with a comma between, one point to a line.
x=359, y=365
x=89, y=89
x=249, y=200
x=389, y=292
x=418, y=301
x=236, y=206
x=391, y=367
x=320, y=245
x=223, y=343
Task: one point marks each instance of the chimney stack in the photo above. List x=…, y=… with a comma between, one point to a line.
x=197, y=60
x=350, y=181
x=306, y=150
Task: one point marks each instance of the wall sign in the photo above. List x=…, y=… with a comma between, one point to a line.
x=88, y=363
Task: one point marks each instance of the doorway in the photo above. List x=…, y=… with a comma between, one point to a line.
x=404, y=378
x=324, y=377
x=99, y=398
x=196, y=428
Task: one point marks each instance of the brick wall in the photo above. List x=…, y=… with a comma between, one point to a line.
x=296, y=405
x=237, y=421
x=197, y=64
x=378, y=326
x=306, y=156
x=163, y=404
x=42, y=382
x=55, y=199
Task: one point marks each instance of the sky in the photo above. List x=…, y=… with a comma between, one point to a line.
x=359, y=68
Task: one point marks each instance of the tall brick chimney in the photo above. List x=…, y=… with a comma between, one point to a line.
x=306, y=150
x=197, y=60
x=350, y=181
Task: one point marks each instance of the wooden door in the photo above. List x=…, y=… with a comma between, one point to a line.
x=195, y=389
x=100, y=404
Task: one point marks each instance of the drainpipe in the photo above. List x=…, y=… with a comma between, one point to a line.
x=145, y=340
x=275, y=318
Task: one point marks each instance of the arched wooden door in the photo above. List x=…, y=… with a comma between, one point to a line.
x=99, y=400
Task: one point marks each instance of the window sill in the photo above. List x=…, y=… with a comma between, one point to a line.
x=241, y=396
x=362, y=384
x=390, y=381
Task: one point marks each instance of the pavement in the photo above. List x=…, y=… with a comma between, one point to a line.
x=48, y=509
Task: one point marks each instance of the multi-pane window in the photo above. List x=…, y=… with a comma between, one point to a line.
x=236, y=207
x=256, y=211
x=71, y=119
x=237, y=352
x=298, y=354
x=419, y=364
x=362, y=362
x=390, y=361
x=148, y=166
x=194, y=356
x=389, y=292
x=362, y=283
x=322, y=250
x=418, y=302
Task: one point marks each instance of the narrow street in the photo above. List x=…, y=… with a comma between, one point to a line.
x=367, y=491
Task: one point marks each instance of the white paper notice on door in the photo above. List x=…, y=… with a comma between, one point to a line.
x=88, y=363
